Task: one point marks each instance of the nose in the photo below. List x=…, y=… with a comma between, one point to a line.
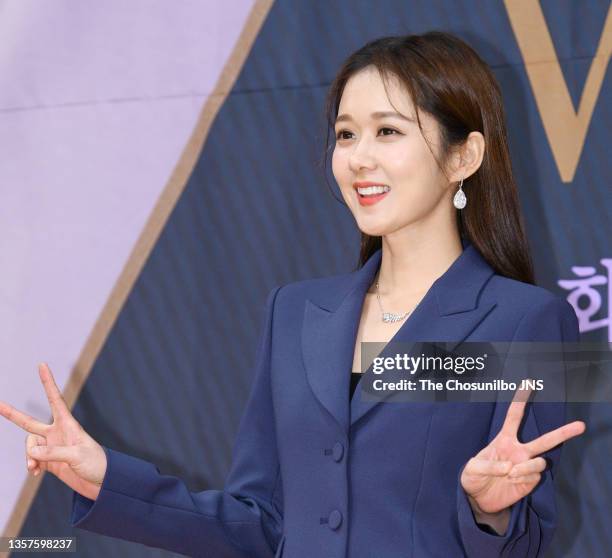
x=362, y=156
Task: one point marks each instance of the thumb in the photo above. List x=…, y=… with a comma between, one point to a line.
x=65, y=454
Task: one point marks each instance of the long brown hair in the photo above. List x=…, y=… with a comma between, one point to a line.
x=448, y=80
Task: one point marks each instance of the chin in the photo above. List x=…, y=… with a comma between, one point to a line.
x=375, y=230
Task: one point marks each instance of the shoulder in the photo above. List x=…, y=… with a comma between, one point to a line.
x=525, y=297
x=536, y=311
x=323, y=291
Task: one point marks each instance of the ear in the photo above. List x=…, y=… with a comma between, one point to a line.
x=468, y=157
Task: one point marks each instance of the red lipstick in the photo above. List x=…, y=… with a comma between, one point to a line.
x=369, y=199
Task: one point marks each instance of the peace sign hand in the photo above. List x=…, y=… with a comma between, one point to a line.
x=507, y=470
x=63, y=447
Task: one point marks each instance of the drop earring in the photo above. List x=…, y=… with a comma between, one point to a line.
x=460, y=201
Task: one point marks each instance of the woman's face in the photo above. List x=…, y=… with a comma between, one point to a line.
x=386, y=150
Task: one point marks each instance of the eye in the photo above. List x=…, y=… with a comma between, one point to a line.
x=390, y=130
x=341, y=134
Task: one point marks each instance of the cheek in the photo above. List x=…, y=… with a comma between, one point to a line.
x=412, y=171
x=416, y=190
x=403, y=161
x=341, y=171
x=338, y=166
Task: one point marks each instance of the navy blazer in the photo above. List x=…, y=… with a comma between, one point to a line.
x=315, y=475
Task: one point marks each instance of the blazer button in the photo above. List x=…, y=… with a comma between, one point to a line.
x=338, y=452
x=335, y=519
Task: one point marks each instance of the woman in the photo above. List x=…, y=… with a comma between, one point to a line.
x=315, y=472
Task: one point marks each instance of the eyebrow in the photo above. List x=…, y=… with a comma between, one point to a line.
x=377, y=115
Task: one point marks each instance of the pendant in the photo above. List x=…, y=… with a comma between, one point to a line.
x=459, y=201
x=391, y=317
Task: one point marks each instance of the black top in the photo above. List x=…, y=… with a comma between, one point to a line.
x=354, y=379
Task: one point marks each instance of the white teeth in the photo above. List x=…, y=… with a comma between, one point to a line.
x=370, y=190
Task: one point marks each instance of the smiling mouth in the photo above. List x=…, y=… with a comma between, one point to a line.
x=371, y=198
x=372, y=191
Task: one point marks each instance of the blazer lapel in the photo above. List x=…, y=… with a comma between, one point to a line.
x=328, y=339
x=448, y=312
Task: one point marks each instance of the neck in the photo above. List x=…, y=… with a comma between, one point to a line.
x=411, y=262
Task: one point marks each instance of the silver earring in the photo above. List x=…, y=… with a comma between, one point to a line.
x=460, y=201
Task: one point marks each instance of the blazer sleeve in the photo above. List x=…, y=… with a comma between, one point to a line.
x=533, y=518
x=138, y=503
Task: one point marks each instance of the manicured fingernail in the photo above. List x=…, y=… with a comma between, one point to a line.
x=35, y=451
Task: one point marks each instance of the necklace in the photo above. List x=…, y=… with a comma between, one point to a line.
x=389, y=317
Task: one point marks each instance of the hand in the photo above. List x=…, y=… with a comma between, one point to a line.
x=63, y=447
x=507, y=470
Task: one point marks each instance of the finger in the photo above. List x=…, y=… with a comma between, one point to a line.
x=33, y=440
x=28, y=423
x=64, y=454
x=515, y=412
x=42, y=466
x=56, y=401
x=555, y=437
x=535, y=465
x=532, y=478
x=30, y=443
x=487, y=467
